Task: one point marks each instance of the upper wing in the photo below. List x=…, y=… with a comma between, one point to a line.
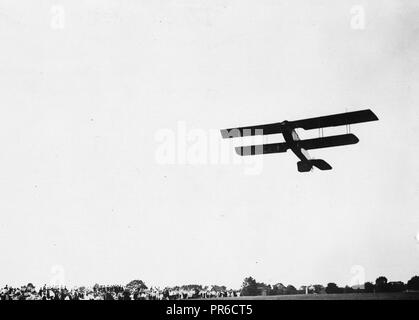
x=312, y=123
x=331, y=141
x=263, y=129
x=262, y=149
x=335, y=120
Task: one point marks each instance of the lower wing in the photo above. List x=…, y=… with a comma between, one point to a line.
x=308, y=144
x=326, y=142
x=262, y=149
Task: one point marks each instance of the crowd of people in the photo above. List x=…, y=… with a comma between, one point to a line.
x=30, y=292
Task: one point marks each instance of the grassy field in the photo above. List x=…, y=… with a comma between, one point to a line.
x=342, y=296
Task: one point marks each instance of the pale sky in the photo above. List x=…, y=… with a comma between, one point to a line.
x=86, y=86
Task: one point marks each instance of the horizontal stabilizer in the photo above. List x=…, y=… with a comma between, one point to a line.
x=334, y=120
x=306, y=166
x=331, y=141
x=321, y=164
x=262, y=149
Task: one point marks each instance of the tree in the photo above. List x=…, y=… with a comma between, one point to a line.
x=249, y=287
x=413, y=284
x=318, y=288
x=264, y=289
x=30, y=286
x=381, y=284
x=136, y=284
x=348, y=289
x=277, y=289
x=199, y=287
x=291, y=289
x=333, y=288
x=368, y=287
x=219, y=288
x=396, y=286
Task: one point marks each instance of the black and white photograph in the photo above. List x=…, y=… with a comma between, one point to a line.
x=209, y=150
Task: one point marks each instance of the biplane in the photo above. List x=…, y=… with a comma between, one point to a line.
x=298, y=146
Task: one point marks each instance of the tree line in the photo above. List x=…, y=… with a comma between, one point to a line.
x=251, y=287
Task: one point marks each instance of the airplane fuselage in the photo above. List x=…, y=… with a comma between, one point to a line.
x=291, y=138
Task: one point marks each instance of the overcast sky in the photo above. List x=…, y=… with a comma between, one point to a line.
x=88, y=89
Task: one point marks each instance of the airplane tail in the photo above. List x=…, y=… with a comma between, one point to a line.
x=305, y=166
